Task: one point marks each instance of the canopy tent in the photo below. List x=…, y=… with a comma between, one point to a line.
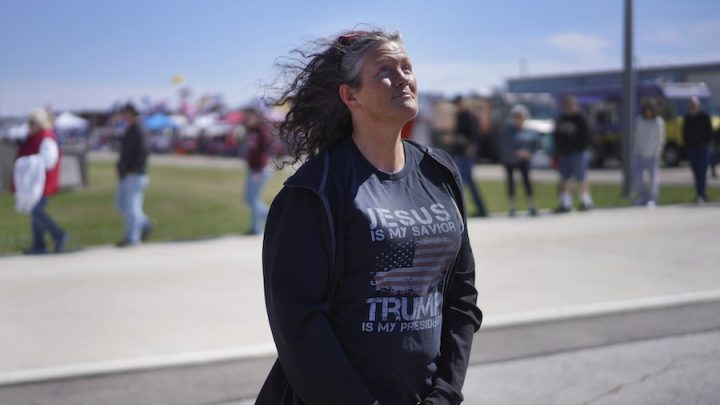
x=179, y=120
x=234, y=117
x=158, y=122
x=190, y=131
x=205, y=121
x=19, y=132
x=218, y=129
x=68, y=122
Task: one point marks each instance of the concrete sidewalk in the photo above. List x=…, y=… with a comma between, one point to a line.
x=113, y=310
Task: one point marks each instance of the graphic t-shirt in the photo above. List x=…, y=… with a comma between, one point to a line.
x=571, y=134
x=402, y=237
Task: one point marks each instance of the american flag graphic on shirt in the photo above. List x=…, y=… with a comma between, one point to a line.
x=413, y=268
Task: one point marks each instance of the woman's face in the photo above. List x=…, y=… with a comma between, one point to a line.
x=33, y=127
x=388, y=90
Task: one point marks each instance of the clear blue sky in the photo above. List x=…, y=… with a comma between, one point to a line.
x=87, y=54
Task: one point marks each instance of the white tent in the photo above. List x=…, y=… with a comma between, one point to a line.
x=70, y=122
x=179, y=120
x=206, y=120
x=190, y=131
x=19, y=132
x=218, y=129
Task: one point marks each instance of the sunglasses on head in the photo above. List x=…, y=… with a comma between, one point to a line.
x=348, y=39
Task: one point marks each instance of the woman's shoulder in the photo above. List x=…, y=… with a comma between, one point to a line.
x=441, y=157
x=314, y=172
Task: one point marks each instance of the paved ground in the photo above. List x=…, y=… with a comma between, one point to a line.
x=675, y=370
x=109, y=305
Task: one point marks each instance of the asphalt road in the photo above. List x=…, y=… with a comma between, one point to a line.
x=675, y=370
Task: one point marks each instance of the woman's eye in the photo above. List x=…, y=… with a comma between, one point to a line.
x=407, y=68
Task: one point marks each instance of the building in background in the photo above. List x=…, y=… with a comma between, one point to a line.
x=708, y=73
x=600, y=97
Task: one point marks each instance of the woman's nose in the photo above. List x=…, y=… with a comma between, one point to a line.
x=402, y=78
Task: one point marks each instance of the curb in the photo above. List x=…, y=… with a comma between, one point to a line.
x=534, y=334
x=226, y=375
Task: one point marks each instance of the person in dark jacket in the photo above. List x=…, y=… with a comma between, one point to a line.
x=714, y=154
x=132, y=173
x=368, y=270
x=572, y=139
x=258, y=145
x=517, y=146
x=41, y=141
x=697, y=135
x=462, y=145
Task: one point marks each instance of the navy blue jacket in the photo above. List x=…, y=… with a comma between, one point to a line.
x=312, y=367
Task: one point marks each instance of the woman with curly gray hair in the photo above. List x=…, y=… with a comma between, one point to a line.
x=369, y=275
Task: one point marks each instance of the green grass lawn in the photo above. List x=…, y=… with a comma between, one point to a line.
x=192, y=203
x=604, y=196
x=184, y=203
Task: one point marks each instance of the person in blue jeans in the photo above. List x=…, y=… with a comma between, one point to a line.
x=462, y=146
x=42, y=142
x=259, y=143
x=517, y=146
x=132, y=172
x=572, y=140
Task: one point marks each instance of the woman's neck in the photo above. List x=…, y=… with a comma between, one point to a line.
x=381, y=147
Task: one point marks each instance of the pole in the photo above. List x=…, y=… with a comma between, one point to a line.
x=522, y=67
x=628, y=99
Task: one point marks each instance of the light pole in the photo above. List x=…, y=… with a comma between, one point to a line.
x=628, y=99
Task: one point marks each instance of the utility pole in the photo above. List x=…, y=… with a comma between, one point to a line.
x=522, y=67
x=628, y=100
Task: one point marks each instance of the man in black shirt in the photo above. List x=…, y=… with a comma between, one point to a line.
x=131, y=169
x=697, y=134
x=572, y=139
x=462, y=146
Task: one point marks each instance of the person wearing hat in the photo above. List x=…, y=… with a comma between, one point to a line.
x=132, y=172
x=42, y=141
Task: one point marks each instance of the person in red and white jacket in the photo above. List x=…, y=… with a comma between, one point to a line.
x=43, y=142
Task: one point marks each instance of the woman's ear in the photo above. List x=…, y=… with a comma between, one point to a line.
x=347, y=95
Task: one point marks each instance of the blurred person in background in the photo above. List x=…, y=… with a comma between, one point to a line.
x=42, y=141
x=369, y=224
x=258, y=145
x=697, y=135
x=517, y=146
x=714, y=154
x=462, y=145
x=572, y=139
x=647, y=149
x=133, y=179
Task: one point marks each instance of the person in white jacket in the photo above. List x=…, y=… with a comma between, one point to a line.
x=648, y=144
x=41, y=147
